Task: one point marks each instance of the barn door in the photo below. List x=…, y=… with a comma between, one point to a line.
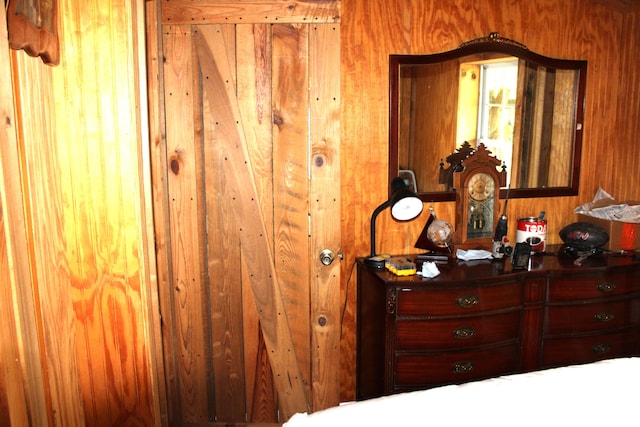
x=247, y=196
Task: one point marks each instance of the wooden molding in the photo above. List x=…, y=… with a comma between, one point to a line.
x=37, y=34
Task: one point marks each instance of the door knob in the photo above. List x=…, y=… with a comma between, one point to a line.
x=327, y=256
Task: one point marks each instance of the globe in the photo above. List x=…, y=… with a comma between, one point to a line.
x=440, y=232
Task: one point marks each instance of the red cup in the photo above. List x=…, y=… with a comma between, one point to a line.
x=628, y=236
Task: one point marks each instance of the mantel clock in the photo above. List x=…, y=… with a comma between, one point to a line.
x=477, y=189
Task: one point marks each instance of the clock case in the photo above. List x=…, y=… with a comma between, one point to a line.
x=479, y=161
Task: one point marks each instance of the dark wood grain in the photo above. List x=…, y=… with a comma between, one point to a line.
x=481, y=319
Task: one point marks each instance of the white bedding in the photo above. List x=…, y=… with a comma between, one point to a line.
x=600, y=394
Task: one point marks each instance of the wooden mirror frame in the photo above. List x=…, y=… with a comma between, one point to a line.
x=499, y=45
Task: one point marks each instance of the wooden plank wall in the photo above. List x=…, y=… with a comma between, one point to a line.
x=251, y=317
x=75, y=214
x=603, y=33
x=84, y=309
x=18, y=404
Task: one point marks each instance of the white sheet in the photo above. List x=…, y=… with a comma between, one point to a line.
x=600, y=394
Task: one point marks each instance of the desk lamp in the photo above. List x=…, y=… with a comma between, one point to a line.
x=405, y=206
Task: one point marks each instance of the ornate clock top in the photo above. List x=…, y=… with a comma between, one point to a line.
x=481, y=157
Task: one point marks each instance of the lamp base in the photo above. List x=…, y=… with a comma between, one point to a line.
x=376, y=262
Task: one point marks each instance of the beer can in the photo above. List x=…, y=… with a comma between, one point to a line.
x=533, y=231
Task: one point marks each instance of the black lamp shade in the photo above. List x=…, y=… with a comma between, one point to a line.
x=405, y=206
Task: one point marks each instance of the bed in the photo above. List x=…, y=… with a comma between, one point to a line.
x=600, y=394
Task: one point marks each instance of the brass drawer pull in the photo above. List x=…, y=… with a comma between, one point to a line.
x=463, y=367
x=467, y=301
x=606, y=286
x=604, y=316
x=464, y=333
x=601, y=348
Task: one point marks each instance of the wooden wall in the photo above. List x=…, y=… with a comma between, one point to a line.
x=77, y=228
x=14, y=271
x=603, y=33
x=80, y=313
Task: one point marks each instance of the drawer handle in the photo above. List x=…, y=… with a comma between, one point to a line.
x=464, y=333
x=604, y=316
x=601, y=348
x=606, y=286
x=463, y=367
x=467, y=301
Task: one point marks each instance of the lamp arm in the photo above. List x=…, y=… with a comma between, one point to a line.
x=374, y=216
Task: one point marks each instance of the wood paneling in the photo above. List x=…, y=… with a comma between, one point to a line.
x=620, y=5
x=257, y=107
x=253, y=60
x=185, y=201
x=241, y=197
x=575, y=29
x=224, y=252
x=290, y=73
x=325, y=191
x=98, y=161
x=84, y=308
x=49, y=265
x=75, y=213
x=17, y=403
x=249, y=11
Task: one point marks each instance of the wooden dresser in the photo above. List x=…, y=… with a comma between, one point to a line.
x=483, y=319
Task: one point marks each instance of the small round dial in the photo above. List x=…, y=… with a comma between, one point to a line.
x=481, y=186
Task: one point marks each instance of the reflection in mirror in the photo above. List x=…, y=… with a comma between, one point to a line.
x=526, y=108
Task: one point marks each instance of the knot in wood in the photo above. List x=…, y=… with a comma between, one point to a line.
x=278, y=120
x=175, y=166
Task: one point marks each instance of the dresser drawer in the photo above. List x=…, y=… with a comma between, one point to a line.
x=569, y=319
x=596, y=286
x=457, y=301
x=567, y=351
x=422, y=370
x=458, y=332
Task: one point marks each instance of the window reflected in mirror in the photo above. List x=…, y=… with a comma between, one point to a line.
x=487, y=106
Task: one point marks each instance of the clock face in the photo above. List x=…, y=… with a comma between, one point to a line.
x=480, y=206
x=481, y=186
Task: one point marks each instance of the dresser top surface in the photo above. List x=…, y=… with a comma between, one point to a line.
x=548, y=264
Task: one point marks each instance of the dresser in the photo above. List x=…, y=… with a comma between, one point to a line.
x=482, y=319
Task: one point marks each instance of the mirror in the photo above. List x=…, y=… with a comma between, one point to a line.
x=526, y=108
